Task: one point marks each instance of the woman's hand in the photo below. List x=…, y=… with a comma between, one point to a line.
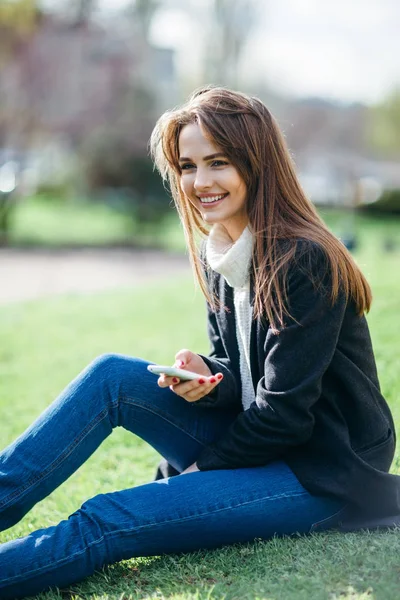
x=197, y=388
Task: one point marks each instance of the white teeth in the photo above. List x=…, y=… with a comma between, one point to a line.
x=212, y=198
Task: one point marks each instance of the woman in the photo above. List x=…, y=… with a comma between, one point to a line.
x=285, y=429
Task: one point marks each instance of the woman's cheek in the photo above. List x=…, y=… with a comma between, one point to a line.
x=185, y=186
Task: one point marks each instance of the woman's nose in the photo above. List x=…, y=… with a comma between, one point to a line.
x=203, y=180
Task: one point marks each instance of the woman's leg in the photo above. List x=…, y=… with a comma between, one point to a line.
x=180, y=514
x=113, y=391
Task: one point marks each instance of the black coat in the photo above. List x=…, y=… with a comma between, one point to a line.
x=318, y=403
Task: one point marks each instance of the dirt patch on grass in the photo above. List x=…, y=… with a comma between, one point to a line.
x=28, y=274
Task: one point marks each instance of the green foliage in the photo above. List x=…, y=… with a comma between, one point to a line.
x=18, y=21
x=115, y=158
x=50, y=190
x=384, y=125
x=47, y=222
x=7, y=203
x=389, y=202
x=114, y=165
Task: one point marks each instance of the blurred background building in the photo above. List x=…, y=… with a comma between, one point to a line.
x=82, y=83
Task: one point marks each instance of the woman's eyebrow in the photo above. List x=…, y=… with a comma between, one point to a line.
x=208, y=157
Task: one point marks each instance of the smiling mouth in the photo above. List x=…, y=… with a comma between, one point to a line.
x=212, y=200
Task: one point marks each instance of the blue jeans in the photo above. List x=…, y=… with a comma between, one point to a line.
x=197, y=510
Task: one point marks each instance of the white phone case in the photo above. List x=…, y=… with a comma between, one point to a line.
x=173, y=372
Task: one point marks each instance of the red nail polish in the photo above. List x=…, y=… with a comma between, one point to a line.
x=175, y=380
x=219, y=376
x=213, y=380
x=181, y=363
x=201, y=381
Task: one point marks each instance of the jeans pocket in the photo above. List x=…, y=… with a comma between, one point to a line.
x=330, y=522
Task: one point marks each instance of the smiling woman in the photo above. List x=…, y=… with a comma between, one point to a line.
x=283, y=429
x=211, y=182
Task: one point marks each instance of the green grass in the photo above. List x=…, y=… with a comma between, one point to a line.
x=51, y=223
x=46, y=343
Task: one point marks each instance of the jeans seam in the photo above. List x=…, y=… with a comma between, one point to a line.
x=57, y=462
x=218, y=510
x=164, y=416
x=121, y=531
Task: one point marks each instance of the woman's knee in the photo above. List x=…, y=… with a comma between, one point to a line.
x=118, y=373
x=107, y=361
x=116, y=365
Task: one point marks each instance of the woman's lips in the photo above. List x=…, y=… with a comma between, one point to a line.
x=215, y=203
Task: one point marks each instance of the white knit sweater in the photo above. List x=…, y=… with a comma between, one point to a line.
x=232, y=260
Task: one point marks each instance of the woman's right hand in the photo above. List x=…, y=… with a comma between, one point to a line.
x=197, y=388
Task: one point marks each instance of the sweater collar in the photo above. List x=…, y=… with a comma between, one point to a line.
x=231, y=259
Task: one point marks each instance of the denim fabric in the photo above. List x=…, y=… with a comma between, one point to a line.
x=204, y=509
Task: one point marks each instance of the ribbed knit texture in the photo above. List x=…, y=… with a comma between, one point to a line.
x=232, y=260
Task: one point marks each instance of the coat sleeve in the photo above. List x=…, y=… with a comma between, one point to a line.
x=296, y=359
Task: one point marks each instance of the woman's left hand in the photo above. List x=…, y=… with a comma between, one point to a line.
x=192, y=469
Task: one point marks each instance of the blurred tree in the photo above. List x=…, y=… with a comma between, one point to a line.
x=232, y=22
x=388, y=202
x=384, y=126
x=119, y=171
x=83, y=11
x=7, y=188
x=71, y=12
x=142, y=12
x=19, y=20
x=116, y=158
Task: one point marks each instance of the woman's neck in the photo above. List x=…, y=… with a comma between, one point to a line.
x=234, y=229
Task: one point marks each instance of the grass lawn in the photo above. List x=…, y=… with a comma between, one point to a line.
x=46, y=343
x=51, y=223
x=39, y=222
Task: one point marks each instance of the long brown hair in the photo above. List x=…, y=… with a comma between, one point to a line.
x=278, y=210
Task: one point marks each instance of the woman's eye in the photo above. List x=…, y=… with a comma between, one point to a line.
x=218, y=163
x=187, y=166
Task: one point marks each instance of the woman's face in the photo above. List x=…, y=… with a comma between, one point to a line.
x=210, y=182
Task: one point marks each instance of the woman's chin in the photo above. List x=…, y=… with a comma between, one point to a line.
x=210, y=218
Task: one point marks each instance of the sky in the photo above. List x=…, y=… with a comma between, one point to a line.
x=349, y=49
x=346, y=50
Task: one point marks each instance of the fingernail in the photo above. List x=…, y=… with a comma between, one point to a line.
x=181, y=363
x=201, y=381
x=175, y=380
x=213, y=380
x=219, y=376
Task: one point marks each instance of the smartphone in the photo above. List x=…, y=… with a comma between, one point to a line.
x=173, y=372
